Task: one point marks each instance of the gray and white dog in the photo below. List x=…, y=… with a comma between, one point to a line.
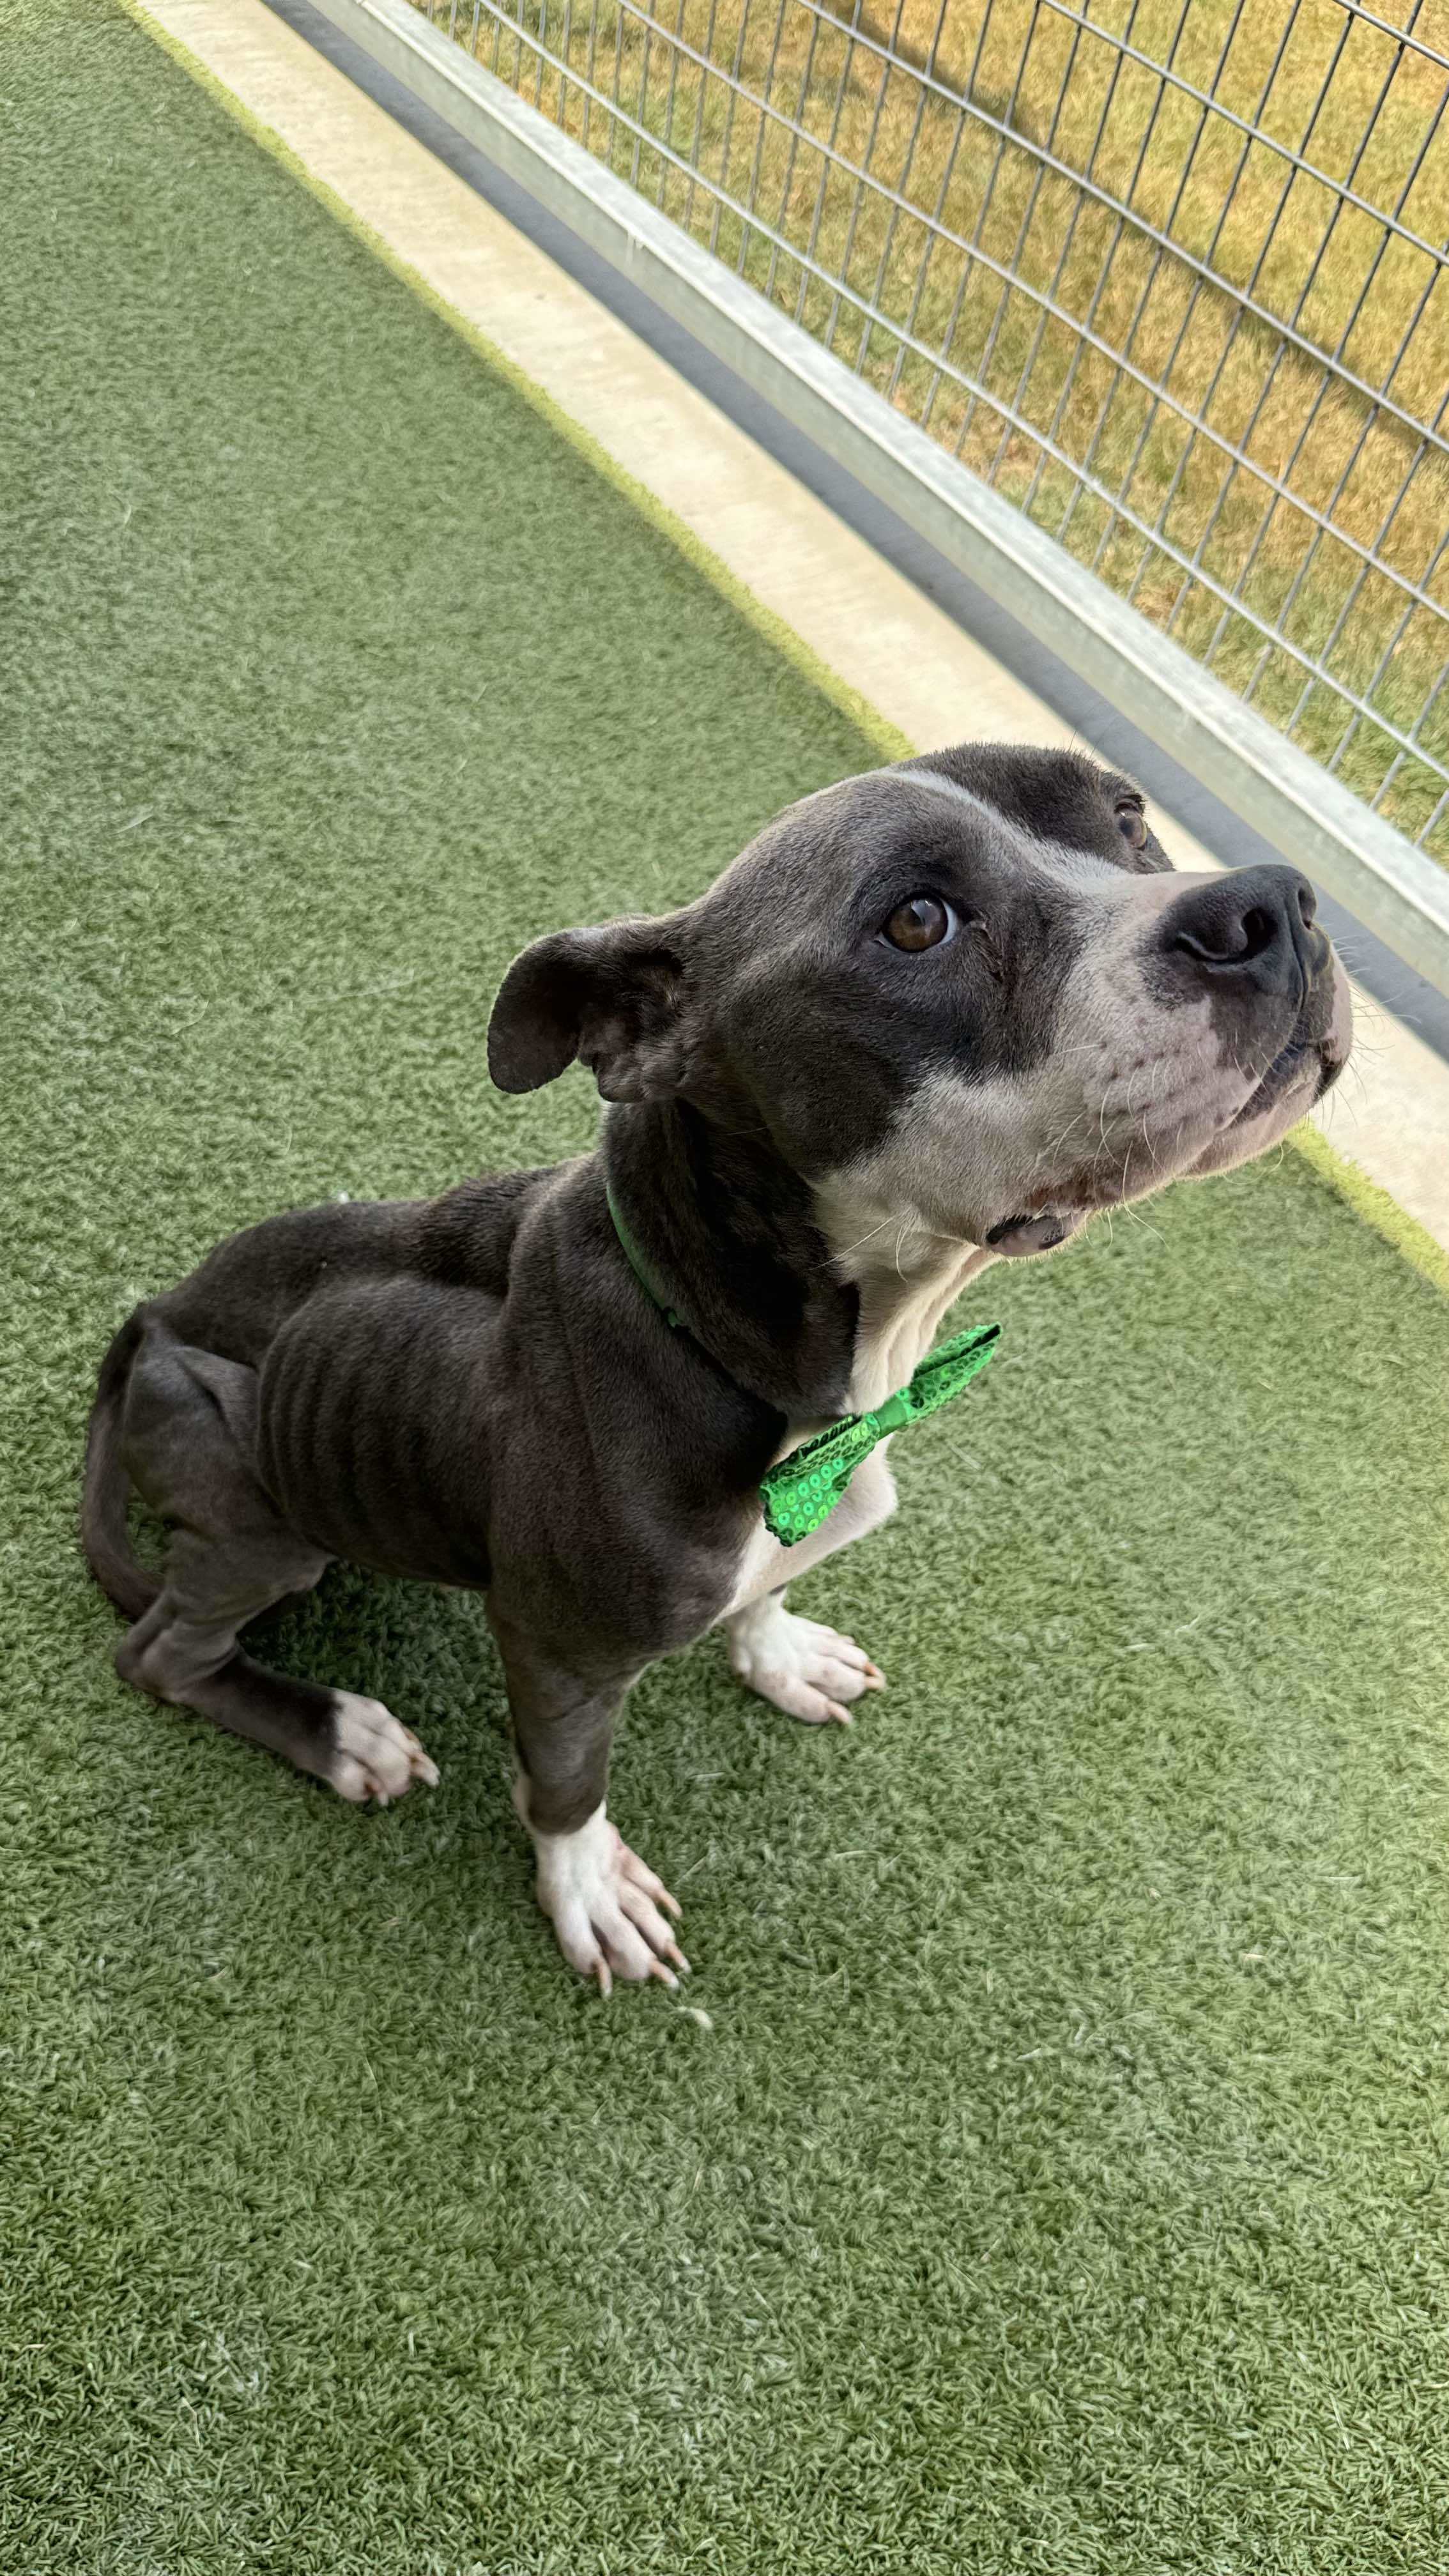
x=930, y=1019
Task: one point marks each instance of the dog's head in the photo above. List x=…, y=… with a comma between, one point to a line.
x=968, y=991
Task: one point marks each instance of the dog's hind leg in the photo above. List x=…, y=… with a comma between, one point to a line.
x=188, y=1441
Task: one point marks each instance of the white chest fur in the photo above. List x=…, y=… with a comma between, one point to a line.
x=906, y=1279
x=869, y=1499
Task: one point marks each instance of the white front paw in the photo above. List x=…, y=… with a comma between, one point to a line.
x=809, y=1671
x=607, y=1908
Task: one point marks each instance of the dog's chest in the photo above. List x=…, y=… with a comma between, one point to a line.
x=898, y=1320
x=765, y=1565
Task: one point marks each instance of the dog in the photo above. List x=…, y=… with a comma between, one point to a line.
x=932, y=1018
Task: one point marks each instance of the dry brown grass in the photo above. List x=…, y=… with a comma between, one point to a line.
x=965, y=344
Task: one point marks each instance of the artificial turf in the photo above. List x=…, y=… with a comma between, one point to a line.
x=1061, y=2182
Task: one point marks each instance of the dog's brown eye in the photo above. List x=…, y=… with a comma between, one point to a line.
x=1131, y=823
x=922, y=921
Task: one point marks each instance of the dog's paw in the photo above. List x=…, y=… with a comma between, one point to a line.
x=373, y=1754
x=807, y=1670
x=608, y=1910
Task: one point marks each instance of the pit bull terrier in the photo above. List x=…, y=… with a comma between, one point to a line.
x=932, y=1018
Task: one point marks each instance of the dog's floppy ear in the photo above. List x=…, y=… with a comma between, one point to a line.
x=612, y=997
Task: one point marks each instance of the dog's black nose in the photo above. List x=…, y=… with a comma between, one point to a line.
x=1254, y=927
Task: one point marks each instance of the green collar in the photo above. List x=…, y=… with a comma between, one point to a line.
x=678, y=1323
x=802, y=1490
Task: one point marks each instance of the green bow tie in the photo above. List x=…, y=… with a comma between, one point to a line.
x=803, y=1490
x=805, y=1487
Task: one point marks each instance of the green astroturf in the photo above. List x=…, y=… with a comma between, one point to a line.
x=1062, y=2183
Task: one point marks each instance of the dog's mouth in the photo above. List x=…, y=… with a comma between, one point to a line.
x=1305, y=1067
x=1298, y=1076
x=1016, y=1236
x=1301, y=1056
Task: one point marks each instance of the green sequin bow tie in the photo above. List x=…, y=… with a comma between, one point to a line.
x=805, y=1487
x=803, y=1490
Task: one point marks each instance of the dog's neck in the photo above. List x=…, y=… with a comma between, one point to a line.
x=728, y=1235
x=905, y=1277
x=812, y=1302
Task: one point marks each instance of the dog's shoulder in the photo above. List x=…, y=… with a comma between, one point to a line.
x=465, y=1239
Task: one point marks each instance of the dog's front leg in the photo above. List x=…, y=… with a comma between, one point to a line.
x=609, y=1911
x=808, y=1670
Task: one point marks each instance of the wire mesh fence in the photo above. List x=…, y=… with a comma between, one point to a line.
x=1167, y=274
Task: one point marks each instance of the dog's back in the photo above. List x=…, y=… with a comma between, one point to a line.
x=236, y=1302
